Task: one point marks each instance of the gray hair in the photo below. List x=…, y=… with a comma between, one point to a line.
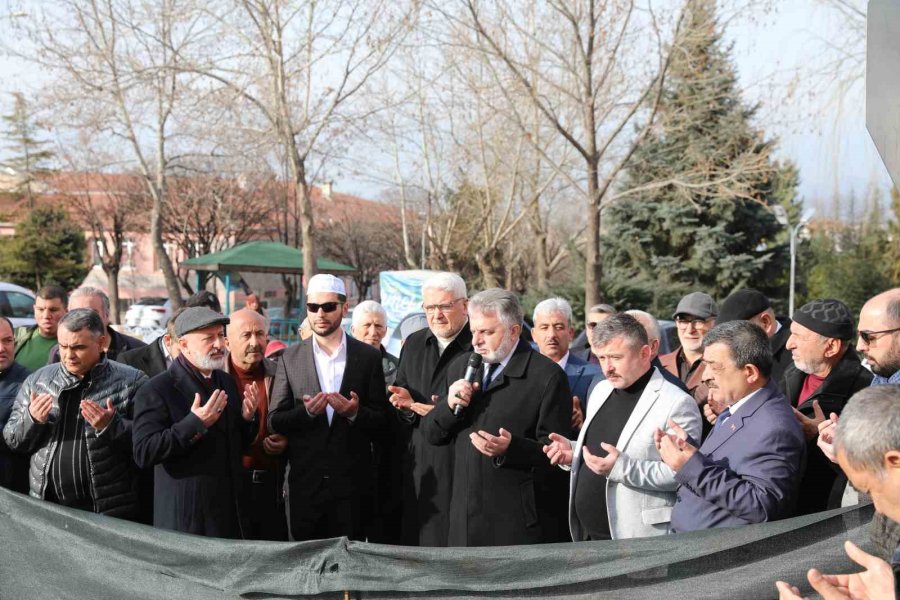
x=869, y=427
x=654, y=332
x=603, y=309
x=446, y=282
x=620, y=325
x=501, y=302
x=552, y=305
x=746, y=342
x=369, y=307
x=92, y=292
x=83, y=318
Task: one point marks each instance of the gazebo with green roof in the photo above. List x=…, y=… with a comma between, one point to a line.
x=258, y=257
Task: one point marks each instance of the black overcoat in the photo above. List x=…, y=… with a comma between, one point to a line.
x=427, y=469
x=505, y=501
x=197, y=475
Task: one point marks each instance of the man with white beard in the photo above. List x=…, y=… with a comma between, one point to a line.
x=500, y=486
x=194, y=426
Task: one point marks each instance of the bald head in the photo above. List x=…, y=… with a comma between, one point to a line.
x=247, y=338
x=878, y=340
x=651, y=325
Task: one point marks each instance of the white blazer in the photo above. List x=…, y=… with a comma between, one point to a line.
x=640, y=489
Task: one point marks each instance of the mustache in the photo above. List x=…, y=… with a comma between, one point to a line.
x=254, y=349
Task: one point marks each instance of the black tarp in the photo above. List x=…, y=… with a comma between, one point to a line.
x=53, y=552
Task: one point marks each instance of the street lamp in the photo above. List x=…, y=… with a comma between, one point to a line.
x=782, y=217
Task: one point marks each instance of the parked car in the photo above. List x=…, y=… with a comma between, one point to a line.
x=148, y=316
x=17, y=304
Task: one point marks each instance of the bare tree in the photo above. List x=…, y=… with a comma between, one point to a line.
x=297, y=66
x=117, y=70
x=109, y=207
x=593, y=80
x=209, y=213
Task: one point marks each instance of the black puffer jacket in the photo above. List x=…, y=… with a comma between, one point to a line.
x=109, y=452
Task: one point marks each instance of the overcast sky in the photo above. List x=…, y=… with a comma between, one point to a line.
x=821, y=131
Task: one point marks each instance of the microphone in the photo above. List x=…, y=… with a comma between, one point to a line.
x=471, y=376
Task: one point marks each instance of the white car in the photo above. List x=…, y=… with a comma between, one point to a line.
x=148, y=316
x=17, y=304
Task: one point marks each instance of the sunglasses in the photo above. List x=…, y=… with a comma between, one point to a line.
x=870, y=336
x=328, y=307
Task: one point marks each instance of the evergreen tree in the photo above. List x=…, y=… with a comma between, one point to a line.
x=27, y=155
x=695, y=211
x=47, y=248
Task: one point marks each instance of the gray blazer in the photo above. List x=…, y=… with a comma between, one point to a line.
x=640, y=490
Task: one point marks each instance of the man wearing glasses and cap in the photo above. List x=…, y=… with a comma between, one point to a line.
x=193, y=425
x=694, y=316
x=328, y=398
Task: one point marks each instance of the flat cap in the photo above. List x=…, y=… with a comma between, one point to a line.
x=828, y=317
x=198, y=317
x=742, y=305
x=697, y=304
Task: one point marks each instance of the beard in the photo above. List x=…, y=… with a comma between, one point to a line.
x=211, y=362
x=889, y=365
x=502, y=350
x=809, y=367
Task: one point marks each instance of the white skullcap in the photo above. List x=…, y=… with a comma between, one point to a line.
x=328, y=284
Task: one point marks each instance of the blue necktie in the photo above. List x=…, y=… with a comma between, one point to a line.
x=723, y=416
x=490, y=375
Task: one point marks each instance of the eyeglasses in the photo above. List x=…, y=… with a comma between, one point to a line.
x=328, y=307
x=686, y=321
x=870, y=336
x=433, y=308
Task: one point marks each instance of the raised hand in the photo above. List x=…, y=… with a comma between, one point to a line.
x=40, y=406
x=210, y=412
x=250, y=402
x=315, y=405
x=491, y=445
x=559, y=450
x=577, y=415
x=344, y=406
x=97, y=416
x=810, y=425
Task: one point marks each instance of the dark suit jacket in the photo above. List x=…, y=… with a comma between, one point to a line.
x=341, y=452
x=846, y=378
x=198, y=470
x=13, y=466
x=498, y=502
x=781, y=356
x=427, y=469
x=580, y=374
x=747, y=471
x=149, y=359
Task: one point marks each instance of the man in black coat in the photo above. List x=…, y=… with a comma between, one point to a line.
x=155, y=357
x=328, y=398
x=421, y=376
x=193, y=425
x=825, y=374
x=13, y=467
x=752, y=305
x=97, y=300
x=499, y=494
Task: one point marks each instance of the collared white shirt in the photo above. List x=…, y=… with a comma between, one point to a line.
x=499, y=369
x=330, y=369
x=165, y=350
x=737, y=405
x=564, y=361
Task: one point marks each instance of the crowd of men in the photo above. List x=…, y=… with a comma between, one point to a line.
x=480, y=433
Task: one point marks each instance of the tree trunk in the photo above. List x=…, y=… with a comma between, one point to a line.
x=112, y=287
x=593, y=267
